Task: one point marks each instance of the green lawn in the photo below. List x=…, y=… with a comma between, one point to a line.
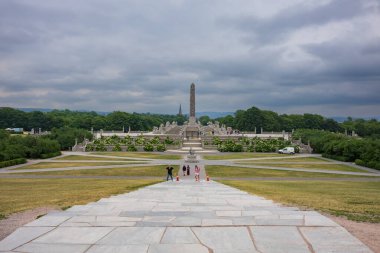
x=24, y=194
x=240, y=156
x=154, y=171
x=162, y=156
x=91, y=157
x=232, y=171
x=328, y=166
x=358, y=201
x=47, y=165
x=292, y=159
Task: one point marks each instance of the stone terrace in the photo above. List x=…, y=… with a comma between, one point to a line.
x=183, y=217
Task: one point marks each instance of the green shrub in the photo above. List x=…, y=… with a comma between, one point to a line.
x=148, y=147
x=155, y=140
x=250, y=148
x=127, y=140
x=117, y=147
x=237, y=148
x=90, y=147
x=168, y=141
x=216, y=141
x=161, y=147
x=131, y=148
x=140, y=140
x=360, y=162
x=100, y=147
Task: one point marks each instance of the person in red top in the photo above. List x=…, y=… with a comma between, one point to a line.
x=197, y=171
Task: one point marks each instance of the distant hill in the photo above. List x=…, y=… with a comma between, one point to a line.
x=49, y=110
x=341, y=119
x=214, y=115
x=34, y=109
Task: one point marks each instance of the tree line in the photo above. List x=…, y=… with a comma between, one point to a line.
x=248, y=120
x=243, y=120
x=10, y=117
x=362, y=151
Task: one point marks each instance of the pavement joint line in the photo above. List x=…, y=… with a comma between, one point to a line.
x=252, y=238
x=163, y=234
x=113, y=229
x=88, y=248
x=34, y=238
x=147, y=250
x=200, y=242
x=310, y=247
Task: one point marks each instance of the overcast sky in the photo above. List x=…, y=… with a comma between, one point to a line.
x=293, y=56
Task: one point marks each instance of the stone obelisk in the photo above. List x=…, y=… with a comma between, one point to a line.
x=192, y=119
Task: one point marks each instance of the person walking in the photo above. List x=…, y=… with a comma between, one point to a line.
x=184, y=170
x=197, y=171
x=188, y=170
x=170, y=173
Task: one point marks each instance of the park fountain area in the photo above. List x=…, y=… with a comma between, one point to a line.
x=191, y=157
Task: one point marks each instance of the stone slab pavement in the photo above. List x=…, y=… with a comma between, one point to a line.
x=184, y=216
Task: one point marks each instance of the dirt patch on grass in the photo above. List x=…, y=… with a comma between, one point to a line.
x=368, y=233
x=14, y=221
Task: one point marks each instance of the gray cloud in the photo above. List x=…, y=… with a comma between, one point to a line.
x=317, y=56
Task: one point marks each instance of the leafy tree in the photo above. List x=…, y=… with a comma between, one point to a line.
x=204, y=120
x=66, y=136
x=10, y=117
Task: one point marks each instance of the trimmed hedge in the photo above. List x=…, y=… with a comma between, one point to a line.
x=12, y=162
x=50, y=155
x=251, y=145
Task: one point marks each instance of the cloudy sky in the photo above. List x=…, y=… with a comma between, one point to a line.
x=293, y=56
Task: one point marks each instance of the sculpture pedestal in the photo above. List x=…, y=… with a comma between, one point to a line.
x=191, y=158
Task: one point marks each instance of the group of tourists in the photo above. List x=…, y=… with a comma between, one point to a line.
x=185, y=170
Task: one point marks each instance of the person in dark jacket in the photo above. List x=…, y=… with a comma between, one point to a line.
x=170, y=173
x=188, y=170
x=184, y=170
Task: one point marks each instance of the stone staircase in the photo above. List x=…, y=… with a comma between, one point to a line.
x=193, y=144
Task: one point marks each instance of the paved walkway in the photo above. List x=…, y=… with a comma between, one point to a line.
x=184, y=216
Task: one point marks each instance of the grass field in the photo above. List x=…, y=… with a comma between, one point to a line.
x=240, y=156
x=328, y=166
x=231, y=171
x=141, y=155
x=91, y=157
x=24, y=194
x=356, y=200
x=153, y=171
x=47, y=165
x=290, y=159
